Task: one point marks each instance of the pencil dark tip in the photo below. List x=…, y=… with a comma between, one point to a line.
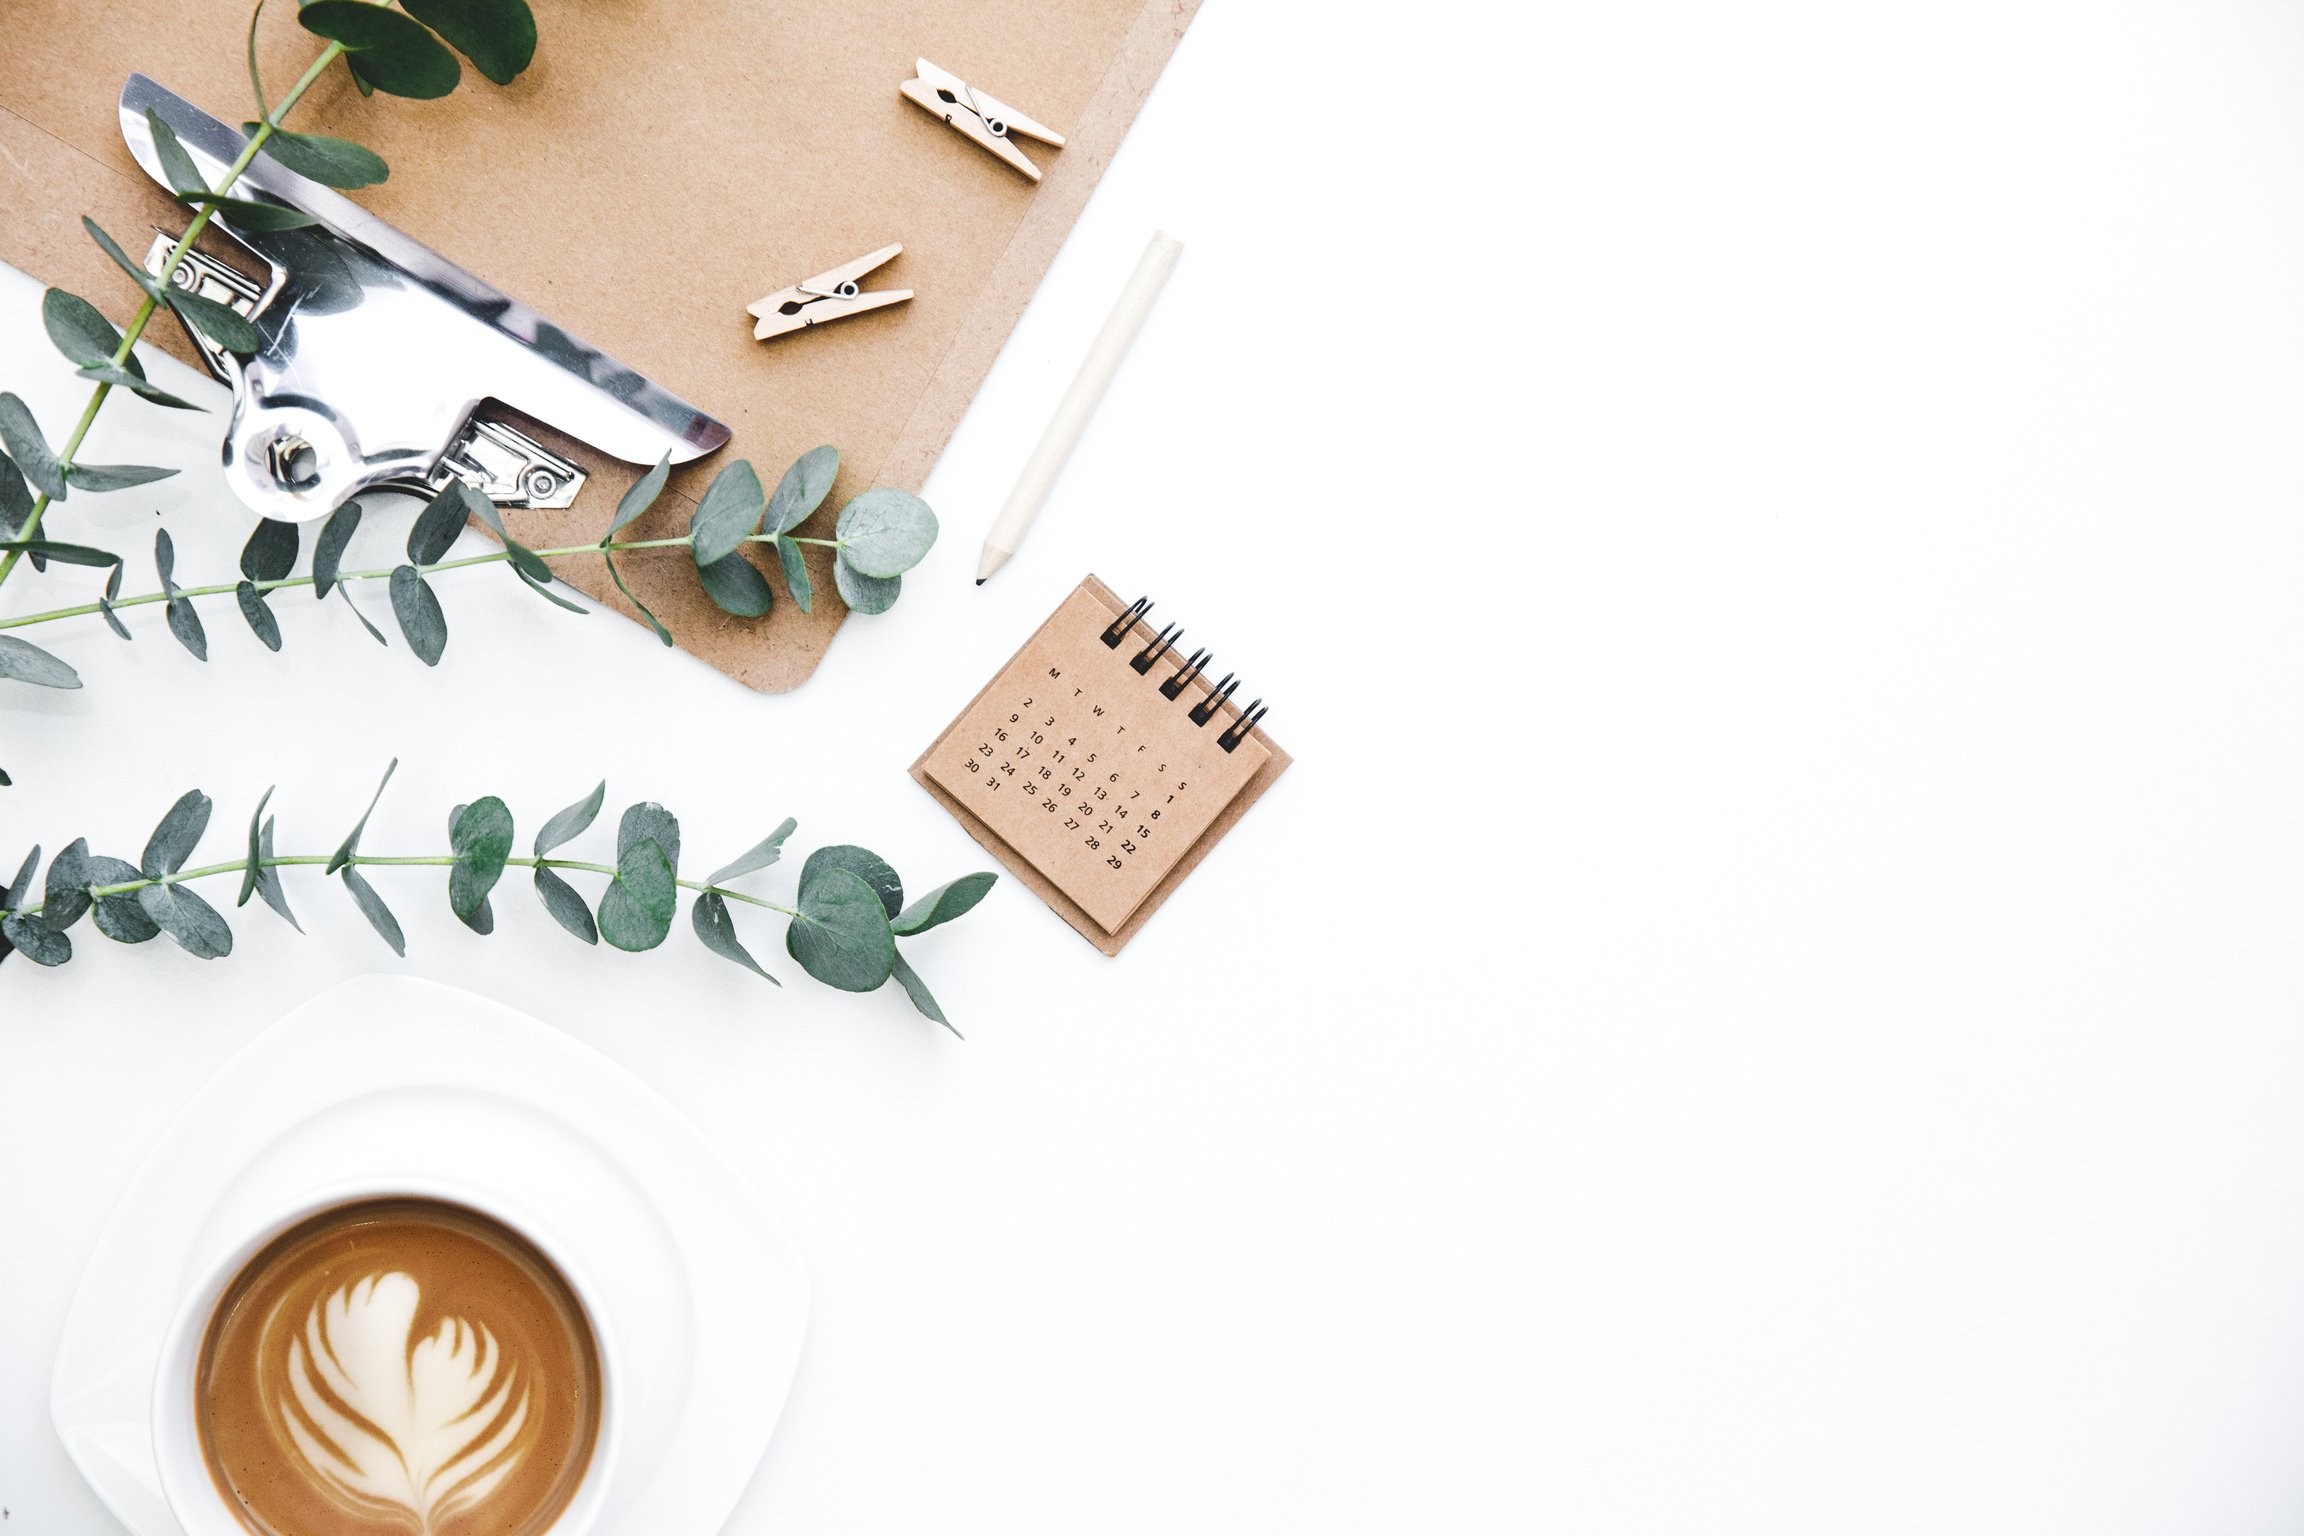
x=979, y=581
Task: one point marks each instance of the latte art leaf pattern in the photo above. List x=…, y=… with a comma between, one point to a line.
x=422, y=1429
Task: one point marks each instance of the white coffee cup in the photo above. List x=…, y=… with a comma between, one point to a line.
x=204, y=1510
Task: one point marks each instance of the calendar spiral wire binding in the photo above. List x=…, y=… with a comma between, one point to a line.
x=1193, y=668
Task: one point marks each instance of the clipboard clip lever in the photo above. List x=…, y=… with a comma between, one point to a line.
x=833, y=295
x=379, y=358
x=978, y=118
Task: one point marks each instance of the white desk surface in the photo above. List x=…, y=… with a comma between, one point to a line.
x=1768, y=1003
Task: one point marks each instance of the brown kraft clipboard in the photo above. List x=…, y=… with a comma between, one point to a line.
x=655, y=170
x=1111, y=943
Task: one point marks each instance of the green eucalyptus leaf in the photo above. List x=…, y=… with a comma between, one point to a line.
x=864, y=864
x=885, y=532
x=570, y=821
x=386, y=49
x=481, y=840
x=258, y=613
x=862, y=593
x=709, y=917
x=525, y=561
x=796, y=578
x=260, y=218
x=498, y=36
x=736, y=584
x=841, y=936
x=372, y=907
x=337, y=163
x=640, y=496
x=30, y=934
x=443, y=517
x=25, y=662
x=654, y=623
x=65, y=896
x=65, y=554
x=177, y=835
x=184, y=623
x=105, y=373
x=650, y=822
x=922, y=998
x=80, y=332
x=120, y=917
x=421, y=621
x=104, y=603
x=328, y=553
x=254, y=871
x=803, y=488
x=728, y=514
x=120, y=258
x=21, y=435
x=175, y=160
x=270, y=553
x=944, y=903
x=115, y=477
x=13, y=893
x=636, y=909
x=342, y=858
x=187, y=919
x=268, y=882
x=566, y=905
x=374, y=633
x=543, y=591
x=220, y=323
x=15, y=498
x=759, y=856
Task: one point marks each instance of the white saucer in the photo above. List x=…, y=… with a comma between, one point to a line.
x=388, y=1074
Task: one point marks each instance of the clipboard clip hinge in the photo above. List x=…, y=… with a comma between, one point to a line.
x=501, y=462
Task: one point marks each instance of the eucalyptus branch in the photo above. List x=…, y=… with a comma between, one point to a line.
x=887, y=531
x=386, y=50
x=122, y=354
x=843, y=929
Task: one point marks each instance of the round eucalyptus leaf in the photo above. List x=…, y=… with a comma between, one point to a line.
x=270, y=553
x=796, y=578
x=803, y=488
x=729, y=513
x=177, y=835
x=80, y=332
x=386, y=49
x=328, y=553
x=636, y=909
x=38, y=943
x=945, y=903
x=482, y=840
x=418, y=611
x=571, y=821
x=650, y=822
x=885, y=532
x=566, y=905
x=65, y=896
x=498, y=36
x=864, y=864
x=709, y=916
x=372, y=907
x=188, y=919
x=21, y=435
x=736, y=584
x=862, y=593
x=841, y=936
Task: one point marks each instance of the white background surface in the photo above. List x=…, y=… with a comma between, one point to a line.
x=1769, y=1000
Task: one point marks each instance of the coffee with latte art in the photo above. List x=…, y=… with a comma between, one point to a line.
x=398, y=1367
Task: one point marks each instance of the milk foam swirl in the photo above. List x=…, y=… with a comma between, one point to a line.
x=419, y=1429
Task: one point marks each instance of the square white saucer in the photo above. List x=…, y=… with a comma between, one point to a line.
x=392, y=1075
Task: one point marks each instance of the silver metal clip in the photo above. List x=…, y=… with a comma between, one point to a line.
x=977, y=116
x=832, y=295
x=376, y=352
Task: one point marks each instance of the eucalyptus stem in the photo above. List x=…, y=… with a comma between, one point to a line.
x=151, y=304
x=495, y=557
x=392, y=861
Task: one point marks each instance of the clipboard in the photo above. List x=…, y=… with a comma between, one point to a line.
x=653, y=172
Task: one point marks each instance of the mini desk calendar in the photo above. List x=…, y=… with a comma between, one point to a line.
x=1101, y=764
